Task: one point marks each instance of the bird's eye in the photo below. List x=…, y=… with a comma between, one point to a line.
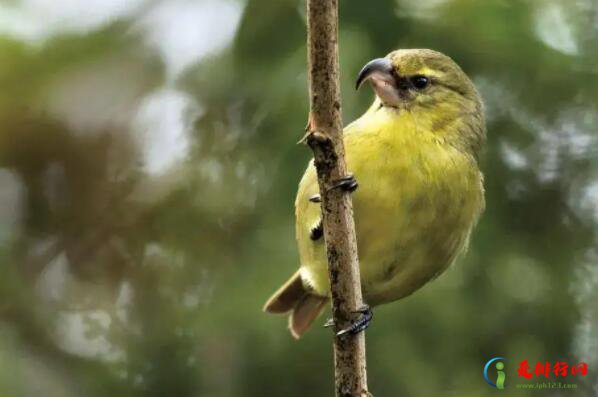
x=420, y=82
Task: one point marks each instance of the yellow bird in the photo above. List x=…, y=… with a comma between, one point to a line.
x=415, y=155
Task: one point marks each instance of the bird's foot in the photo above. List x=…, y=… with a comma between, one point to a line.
x=347, y=183
x=317, y=231
x=329, y=323
x=358, y=325
x=361, y=323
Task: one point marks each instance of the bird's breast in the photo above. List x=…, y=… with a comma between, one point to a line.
x=417, y=201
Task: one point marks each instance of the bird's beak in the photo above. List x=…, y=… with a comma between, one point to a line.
x=380, y=74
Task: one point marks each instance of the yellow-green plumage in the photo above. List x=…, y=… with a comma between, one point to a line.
x=420, y=189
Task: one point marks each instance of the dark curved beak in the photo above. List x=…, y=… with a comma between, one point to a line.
x=380, y=67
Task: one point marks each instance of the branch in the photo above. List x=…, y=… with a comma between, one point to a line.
x=325, y=137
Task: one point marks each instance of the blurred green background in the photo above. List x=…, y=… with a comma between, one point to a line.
x=148, y=168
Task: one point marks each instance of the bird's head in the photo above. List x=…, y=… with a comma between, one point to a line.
x=430, y=86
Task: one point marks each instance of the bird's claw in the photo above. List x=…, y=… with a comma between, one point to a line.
x=315, y=198
x=347, y=183
x=360, y=324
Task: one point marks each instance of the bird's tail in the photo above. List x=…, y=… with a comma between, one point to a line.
x=295, y=298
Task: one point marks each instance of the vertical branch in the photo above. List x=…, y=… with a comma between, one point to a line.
x=325, y=137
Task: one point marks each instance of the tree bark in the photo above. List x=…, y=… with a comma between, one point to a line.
x=325, y=137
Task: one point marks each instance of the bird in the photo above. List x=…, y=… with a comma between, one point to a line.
x=415, y=156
